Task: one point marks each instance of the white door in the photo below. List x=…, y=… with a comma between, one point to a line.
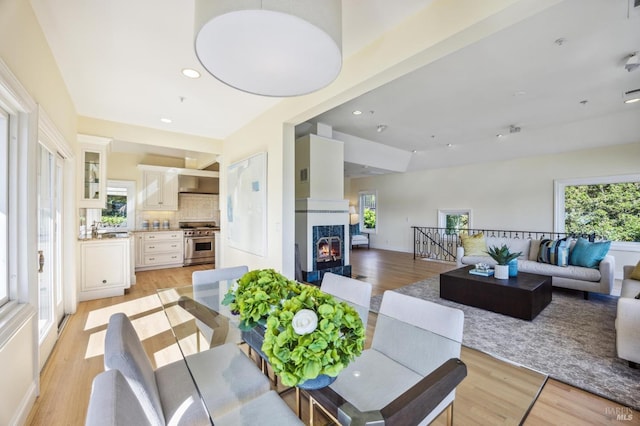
x=50, y=198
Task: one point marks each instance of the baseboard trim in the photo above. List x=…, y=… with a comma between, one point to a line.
x=23, y=410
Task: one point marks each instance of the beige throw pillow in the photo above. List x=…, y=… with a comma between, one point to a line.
x=474, y=245
x=635, y=274
x=534, y=250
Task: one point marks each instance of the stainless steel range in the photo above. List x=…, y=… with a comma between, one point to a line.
x=199, y=243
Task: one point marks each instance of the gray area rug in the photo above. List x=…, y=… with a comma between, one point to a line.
x=571, y=340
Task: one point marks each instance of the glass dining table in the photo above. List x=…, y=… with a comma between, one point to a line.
x=403, y=375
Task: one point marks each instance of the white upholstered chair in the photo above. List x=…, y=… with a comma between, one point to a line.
x=358, y=238
x=355, y=292
x=219, y=274
x=202, y=293
x=628, y=319
x=400, y=355
x=230, y=384
x=112, y=402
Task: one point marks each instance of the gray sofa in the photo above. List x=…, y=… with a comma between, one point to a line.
x=593, y=280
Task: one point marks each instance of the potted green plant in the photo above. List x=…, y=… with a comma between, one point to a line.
x=311, y=337
x=257, y=294
x=502, y=256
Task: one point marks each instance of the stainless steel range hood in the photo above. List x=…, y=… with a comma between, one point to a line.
x=197, y=184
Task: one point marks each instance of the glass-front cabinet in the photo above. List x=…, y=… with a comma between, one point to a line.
x=93, y=172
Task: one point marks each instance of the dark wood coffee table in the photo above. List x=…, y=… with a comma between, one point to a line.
x=523, y=296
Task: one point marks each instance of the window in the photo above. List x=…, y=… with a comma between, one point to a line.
x=115, y=214
x=368, y=211
x=4, y=206
x=454, y=221
x=608, y=207
x=119, y=213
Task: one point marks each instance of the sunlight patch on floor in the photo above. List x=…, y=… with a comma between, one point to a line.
x=167, y=355
x=95, y=346
x=145, y=313
x=151, y=325
x=177, y=315
x=100, y=317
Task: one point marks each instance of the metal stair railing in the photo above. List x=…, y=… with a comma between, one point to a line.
x=441, y=243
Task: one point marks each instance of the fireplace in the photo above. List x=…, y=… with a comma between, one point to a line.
x=329, y=252
x=322, y=237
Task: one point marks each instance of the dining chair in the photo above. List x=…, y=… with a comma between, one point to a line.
x=204, y=294
x=401, y=355
x=227, y=379
x=113, y=403
x=355, y=292
x=219, y=274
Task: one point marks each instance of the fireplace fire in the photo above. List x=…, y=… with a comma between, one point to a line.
x=329, y=249
x=329, y=252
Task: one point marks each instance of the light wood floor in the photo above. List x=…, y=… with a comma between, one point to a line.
x=494, y=392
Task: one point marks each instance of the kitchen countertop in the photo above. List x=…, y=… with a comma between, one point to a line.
x=107, y=237
x=216, y=229
x=158, y=230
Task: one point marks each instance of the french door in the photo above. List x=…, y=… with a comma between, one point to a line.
x=50, y=200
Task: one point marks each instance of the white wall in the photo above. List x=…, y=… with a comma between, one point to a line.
x=511, y=195
x=323, y=159
x=439, y=29
x=18, y=388
x=26, y=53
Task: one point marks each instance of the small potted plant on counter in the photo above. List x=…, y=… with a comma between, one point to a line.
x=502, y=256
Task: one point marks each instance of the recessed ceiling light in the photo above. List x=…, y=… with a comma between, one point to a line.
x=499, y=135
x=449, y=145
x=191, y=73
x=414, y=151
x=356, y=112
x=166, y=120
x=381, y=128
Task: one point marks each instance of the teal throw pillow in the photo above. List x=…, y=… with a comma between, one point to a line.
x=589, y=254
x=554, y=252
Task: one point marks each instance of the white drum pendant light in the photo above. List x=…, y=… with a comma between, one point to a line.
x=270, y=47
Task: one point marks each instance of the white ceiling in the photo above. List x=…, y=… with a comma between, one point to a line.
x=563, y=95
x=121, y=61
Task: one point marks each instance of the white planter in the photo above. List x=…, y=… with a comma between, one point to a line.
x=502, y=272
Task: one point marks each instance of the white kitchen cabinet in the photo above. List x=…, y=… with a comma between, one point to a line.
x=160, y=190
x=105, y=268
x=159, y=249
x=92, y=168
x=139, y=256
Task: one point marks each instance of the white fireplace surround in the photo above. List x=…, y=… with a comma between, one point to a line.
x=310, y=213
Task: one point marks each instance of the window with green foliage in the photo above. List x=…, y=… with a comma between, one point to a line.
x=115, y=215
x=454, y=221
x=368, y=212
x=119, y=211
x=608, y=207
